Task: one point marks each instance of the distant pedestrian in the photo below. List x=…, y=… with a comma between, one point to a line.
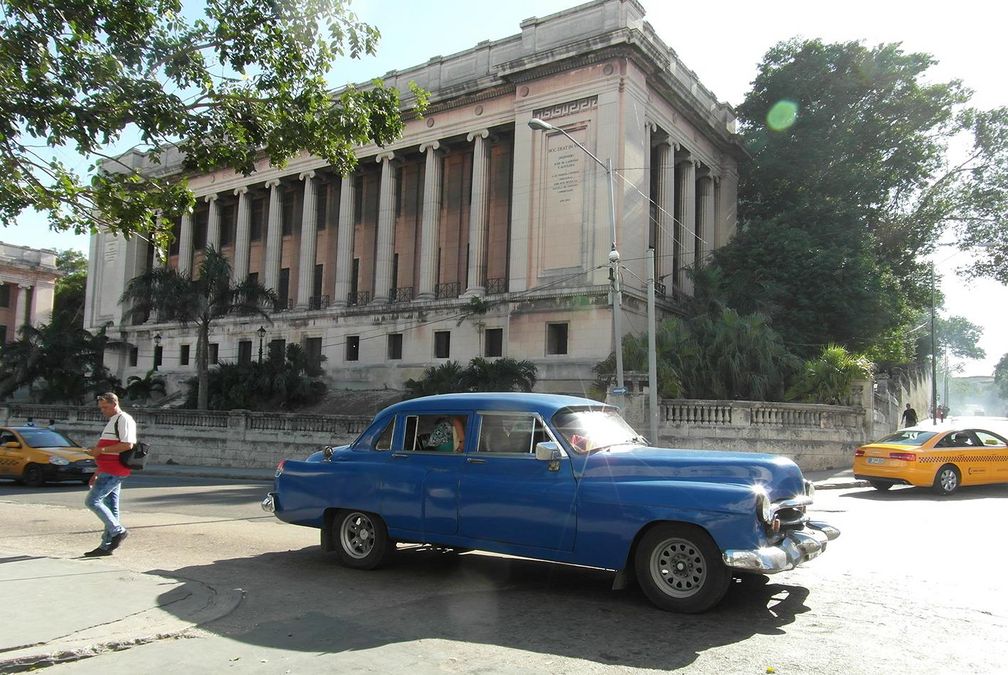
x=941, y=413
x=103, y=498
x=30, y=422
x=52, y=425
x=909, y=416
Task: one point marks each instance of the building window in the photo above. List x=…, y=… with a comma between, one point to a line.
x=442, y=344
x=493, y=342
x=3, y=336
x=214, y=350
x=352, y=347
x=283, y=288
x=134, y=354
x=227, y=224
x=183, y=358
x=395, y=346
x=321, y=206
x=5, y=295
x=157, y=356
x=256, y=225
x=253, y=278
x=287, y=212
x=277, y=348
x=313, y=353
x=199, y=232
x=556, y=338
x=244, y=352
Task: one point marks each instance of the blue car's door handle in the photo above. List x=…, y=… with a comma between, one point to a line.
x=400, y=455
x=474, y=460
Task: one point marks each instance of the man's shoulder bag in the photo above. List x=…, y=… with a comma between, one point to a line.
x=136, y=457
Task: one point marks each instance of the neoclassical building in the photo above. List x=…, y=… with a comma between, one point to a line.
x=27, y=285
x=378, y=271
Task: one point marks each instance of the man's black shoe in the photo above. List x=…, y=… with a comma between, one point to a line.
x=117, y=539
x=98, y=552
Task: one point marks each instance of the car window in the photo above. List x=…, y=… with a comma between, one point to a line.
x=593, y=429
x=435, y=433
x=377, y=436
x=960, y=439
x=908, y=437
x=991, y=440
x=7, y=437
x=510, y=433
x=46, y=438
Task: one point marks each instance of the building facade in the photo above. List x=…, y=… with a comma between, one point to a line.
x=27, y=285
x=474, y=234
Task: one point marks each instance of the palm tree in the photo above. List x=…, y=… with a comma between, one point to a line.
x=200, y=300
x=505, y=374
x=142, y=388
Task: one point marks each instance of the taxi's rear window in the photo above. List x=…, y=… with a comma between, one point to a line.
x=908, y=437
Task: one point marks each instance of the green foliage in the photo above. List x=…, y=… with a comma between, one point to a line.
x=245, y=79
x=71, y=287
x=1001, y=376
x=144, y=388
x=283, y=381
x=505, y=374
x=723, y=356
x=837, y=205
x=828, y=378
x=202, y=300
x=58, y=364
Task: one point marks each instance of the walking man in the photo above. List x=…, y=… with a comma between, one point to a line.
x=103, y=498
x=909, y=417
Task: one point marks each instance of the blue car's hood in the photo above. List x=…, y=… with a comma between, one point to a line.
x=780, y=476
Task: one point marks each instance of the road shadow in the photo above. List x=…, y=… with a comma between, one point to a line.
x=196, y=496
x=910, y=493
x=303, y=600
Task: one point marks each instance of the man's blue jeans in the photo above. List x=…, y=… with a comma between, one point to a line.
x=103, y=499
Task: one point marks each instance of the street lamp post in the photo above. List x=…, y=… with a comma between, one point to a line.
x=614, y=256
x=261, y=333
x=157, y=350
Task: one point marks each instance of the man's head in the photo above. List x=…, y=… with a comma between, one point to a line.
x=908, y=406
x=109, y=403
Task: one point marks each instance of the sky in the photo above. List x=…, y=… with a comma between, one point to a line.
x=723, y=44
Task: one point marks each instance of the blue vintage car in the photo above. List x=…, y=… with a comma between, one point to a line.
x=554, y=478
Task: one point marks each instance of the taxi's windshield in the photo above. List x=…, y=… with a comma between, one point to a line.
x=45, y=438
x=908, y=437
x=590, y=430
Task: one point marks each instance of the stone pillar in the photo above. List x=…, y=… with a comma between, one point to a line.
x=430, y=220
x=686, y=173
x=478, y=214
x=344, y=242
x=704, y=235
x=306, y=266
x=384, y=249
x=185, y=245
x=21, y=307
x=213, y=223
x=239, y=268
x=271, y=268
x=665, y=199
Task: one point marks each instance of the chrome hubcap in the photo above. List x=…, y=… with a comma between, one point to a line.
x=357, y=535
x=948, y=480
x=678, y=567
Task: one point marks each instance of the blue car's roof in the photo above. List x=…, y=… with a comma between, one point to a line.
x=544, y=404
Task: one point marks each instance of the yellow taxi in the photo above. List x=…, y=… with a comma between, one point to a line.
x=941, y=459
x=37, y=455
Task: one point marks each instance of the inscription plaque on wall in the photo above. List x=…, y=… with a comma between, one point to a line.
x=564, y=198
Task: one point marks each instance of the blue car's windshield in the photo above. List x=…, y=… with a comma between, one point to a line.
x=590, y=430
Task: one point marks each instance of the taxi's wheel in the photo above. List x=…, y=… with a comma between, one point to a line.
x=880, y=485
x=946, y=480
x=360, y=539
x=679, y=568
x=32, y=475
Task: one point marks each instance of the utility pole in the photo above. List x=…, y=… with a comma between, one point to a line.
x=934, y=354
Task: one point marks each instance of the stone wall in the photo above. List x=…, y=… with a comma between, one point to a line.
x=237, y=438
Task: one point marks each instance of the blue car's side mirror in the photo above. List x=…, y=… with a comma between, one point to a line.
x=548, y=451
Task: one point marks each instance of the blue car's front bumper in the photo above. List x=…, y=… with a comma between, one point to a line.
x=798, y=546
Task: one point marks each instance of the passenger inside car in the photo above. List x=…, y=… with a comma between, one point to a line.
x=448, y=435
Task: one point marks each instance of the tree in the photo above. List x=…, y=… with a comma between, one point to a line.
x=71, y=286
x=199, y=300
x=504, y=374
x=828, y=378
x=143, y=388
x=1001, y=376
x=848, y=184
x=243, y=81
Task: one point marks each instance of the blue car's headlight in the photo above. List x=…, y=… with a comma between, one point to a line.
x=58, y=461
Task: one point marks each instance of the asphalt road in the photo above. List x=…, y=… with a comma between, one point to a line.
x=913, y=585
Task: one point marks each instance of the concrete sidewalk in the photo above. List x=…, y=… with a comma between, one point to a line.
x=829, y=479
x=61, y=610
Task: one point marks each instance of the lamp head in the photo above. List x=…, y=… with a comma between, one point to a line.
x=614, y=257
x=539, y=125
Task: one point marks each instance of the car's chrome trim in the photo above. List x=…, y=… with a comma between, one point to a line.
x=797, y=547
x=268, y=503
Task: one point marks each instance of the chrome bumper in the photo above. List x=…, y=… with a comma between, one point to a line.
x=797, y=547
x=268, y=503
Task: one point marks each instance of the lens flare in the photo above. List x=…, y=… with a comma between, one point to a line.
x=782, y=115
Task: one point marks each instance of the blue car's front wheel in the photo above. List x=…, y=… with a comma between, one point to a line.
x=360, y=539
x=679, y=568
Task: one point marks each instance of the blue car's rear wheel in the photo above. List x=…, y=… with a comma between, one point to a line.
x=360, y=539
x=679, y=568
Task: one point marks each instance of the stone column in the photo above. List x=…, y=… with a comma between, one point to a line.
x=686, y=172
x=213, y=223
x=306, y=266
x=385, y=247
x=271, y=269
x=478, y=214
x=239, y=267
x=185, y=245
x=21, y=307
x=705, y=218
x=430, y=220
x=344, y=242
x=665, y=199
